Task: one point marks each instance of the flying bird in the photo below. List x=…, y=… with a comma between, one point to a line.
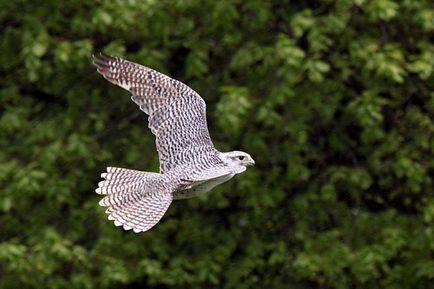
x=189, y=163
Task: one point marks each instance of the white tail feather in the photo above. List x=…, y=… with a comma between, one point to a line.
x=135, y=200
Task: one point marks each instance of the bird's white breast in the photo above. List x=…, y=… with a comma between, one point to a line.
x=202, y=187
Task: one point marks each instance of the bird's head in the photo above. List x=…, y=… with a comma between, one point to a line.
x=237, y=158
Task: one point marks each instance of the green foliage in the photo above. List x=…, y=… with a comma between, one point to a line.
x=333, y=99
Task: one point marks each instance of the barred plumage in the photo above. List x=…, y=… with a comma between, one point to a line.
x=189, y=163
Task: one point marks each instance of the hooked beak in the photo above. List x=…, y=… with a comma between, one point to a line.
x=252, y=162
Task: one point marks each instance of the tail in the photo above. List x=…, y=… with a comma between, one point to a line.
x=136, y=200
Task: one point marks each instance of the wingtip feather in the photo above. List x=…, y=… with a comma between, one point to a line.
x=102, y=61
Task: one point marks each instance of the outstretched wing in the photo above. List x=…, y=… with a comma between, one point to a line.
x=177, y=114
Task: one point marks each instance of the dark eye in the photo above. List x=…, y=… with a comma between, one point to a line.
x=241, y=158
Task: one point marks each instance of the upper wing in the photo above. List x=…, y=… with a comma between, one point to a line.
x=177, y=114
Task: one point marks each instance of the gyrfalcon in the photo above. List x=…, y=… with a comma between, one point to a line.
x=189, y=163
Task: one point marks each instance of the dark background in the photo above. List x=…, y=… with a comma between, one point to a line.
x=333, y=99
